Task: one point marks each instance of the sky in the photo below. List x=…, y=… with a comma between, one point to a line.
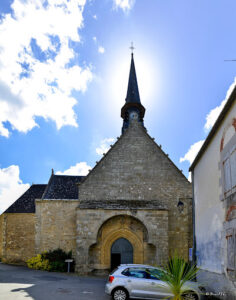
x=64, y=68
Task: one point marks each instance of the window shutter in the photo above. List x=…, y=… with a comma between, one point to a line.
x=227, y=175
x=233, y=168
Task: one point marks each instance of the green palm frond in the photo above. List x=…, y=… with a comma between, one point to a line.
x=177, y=275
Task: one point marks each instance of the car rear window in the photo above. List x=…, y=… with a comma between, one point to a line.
x=125, y=272
x=113, y=271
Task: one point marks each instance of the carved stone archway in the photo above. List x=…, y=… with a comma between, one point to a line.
x=119, y=226
x=115, y=235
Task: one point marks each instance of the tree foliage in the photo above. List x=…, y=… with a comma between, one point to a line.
x=53, y=260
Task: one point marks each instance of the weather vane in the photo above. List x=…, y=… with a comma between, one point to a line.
x=132, y=48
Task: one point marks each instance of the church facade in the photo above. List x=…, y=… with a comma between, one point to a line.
x=134, y=206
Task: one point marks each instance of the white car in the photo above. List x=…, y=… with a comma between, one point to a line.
x=142, y=282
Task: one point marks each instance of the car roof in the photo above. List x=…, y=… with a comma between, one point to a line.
x=135, y=265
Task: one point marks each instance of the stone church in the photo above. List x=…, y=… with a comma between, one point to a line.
x=134, y=206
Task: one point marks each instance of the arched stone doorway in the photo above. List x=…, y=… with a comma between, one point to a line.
x=118, y=227
x=121, y=253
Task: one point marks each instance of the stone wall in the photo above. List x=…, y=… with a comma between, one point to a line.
x=180, y=229
x=136, y=170
x=56, y=225
x=1, y=234
x=17, y=237
x=147, y=230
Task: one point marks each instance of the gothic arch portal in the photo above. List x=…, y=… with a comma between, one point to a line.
x=118, y=227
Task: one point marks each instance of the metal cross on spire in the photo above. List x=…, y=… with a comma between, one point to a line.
x=132, y=48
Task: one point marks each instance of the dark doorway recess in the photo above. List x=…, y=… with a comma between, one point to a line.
x=121, y=253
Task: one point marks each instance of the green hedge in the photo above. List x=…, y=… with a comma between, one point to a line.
x=51, y=261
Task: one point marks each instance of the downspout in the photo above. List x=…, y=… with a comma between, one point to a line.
x=193, y=220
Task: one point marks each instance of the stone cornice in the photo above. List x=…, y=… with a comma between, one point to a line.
x=122, y=204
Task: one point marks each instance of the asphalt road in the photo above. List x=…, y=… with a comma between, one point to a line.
x=21, y=283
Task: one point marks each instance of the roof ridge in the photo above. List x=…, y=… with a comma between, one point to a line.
x=47, y=187
x=26, y=202
x=68, y=175
x=215, y=127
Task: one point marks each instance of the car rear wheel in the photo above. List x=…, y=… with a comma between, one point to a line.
x=190, y=296
x=120, y=294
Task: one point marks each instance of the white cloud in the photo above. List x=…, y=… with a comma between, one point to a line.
x=125, y=5
x=210, y=121
x=192, y=152
x=104, y=146
x=81, y=169
x=33, y=86
x=95, y=17
x=11, y=186
x=101, y=50
x=214, y=113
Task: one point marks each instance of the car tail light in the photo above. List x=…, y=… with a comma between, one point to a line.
x=111, y=278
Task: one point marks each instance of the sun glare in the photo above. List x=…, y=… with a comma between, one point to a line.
x=118, y=75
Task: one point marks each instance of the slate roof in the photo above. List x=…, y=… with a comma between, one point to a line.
x=132, y=98
x=62, y=187
x=26, y=203
x=132, y=92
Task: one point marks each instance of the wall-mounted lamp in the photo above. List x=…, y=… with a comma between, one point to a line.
x=180, y=206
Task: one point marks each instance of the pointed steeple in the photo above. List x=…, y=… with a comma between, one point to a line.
x=132, y=92
x=133, y=109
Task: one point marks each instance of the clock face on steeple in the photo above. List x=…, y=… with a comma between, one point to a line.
x=133, y=115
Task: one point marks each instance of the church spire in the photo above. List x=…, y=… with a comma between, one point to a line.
x=132, y=92
x=133, y=109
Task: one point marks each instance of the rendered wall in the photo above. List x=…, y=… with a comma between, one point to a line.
x=210, y=213
x=211, y=204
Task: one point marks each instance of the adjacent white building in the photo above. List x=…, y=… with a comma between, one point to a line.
x=214, y=191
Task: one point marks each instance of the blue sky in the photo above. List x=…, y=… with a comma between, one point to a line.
x=64, y=74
